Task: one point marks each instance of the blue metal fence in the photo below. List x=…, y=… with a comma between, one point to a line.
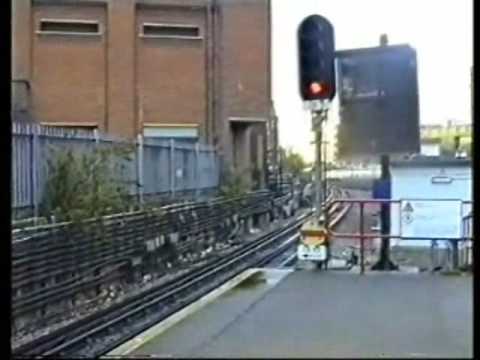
x=158, y=167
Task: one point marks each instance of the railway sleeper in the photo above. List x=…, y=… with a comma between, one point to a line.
x=82, y=270
x=218, y=245
x=173, y=237
x=53, y=263
x=73, y=297
x=172, y=299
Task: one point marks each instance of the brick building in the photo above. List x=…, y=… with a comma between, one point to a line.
x=183, y=69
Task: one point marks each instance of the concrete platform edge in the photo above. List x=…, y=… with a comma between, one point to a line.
x=164, y=325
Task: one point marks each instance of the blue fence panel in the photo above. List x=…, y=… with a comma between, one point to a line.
x=156, y=168
x=21, y=171
x=160, y=166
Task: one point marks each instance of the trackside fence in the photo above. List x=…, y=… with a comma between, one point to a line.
x=160, y=168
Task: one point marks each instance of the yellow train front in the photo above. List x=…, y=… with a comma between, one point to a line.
x=313, y=244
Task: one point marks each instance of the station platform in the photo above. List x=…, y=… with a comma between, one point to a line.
x=309, y=313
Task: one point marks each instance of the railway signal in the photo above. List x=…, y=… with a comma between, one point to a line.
x=316, y=53
x=316, y=60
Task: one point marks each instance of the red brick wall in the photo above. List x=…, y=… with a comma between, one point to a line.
x=68, y=72
x=246, y=57
x=21, y=39
x=121, y=81
x=21, y=49
x=171, y=77
x=122, y=116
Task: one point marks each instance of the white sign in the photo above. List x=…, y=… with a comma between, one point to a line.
x=311, y=252
x=437, y=219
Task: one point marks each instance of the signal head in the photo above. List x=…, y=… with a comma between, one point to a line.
x=316, y=59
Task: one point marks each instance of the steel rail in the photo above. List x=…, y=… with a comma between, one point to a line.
x=340, y=211
x=70, y=336
x=42, y=297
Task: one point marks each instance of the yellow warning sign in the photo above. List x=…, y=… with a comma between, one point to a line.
x=314, y=240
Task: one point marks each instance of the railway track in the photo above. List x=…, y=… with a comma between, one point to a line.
x=61, y=273
x=99, y=333
x=336, y=213
x=106, y=329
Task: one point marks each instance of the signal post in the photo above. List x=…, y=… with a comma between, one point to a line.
x=317, y=89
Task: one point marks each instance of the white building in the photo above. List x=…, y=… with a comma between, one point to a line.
x=430, y=148
x=434, y=194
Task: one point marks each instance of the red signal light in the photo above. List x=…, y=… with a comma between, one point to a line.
x=315, y=88
x=319, y=89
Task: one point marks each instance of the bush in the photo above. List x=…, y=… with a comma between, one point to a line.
x=234, y=185
x=88, y=185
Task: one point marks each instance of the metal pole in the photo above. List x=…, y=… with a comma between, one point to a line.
x=362, y=241
x=172, y=168
x=384, y=263
x=325, y=195
x=318, y=168
x=140, y=168
x=455, y=261
x=197, y=181
x=276, y=161
x=34, y=170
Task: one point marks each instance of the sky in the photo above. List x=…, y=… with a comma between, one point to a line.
x=441, y=31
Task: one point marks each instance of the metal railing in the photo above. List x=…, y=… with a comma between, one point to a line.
x=362, y=235
x=465, y=253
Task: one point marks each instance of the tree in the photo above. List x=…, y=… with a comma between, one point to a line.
x=447, y=147
x=292, y=162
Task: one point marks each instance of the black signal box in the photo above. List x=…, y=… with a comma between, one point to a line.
x=316, y=52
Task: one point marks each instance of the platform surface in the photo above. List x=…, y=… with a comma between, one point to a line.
x=308, y=313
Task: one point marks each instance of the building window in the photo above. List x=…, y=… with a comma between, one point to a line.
x=171, y=131
x=151, y=30
x=68, y=27
x=69, y=128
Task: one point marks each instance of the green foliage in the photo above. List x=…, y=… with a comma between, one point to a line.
x=234, y=185
x=292, y=162
x=447, y=142
x=447, y=146
x=256, y=178
x=86, y=185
